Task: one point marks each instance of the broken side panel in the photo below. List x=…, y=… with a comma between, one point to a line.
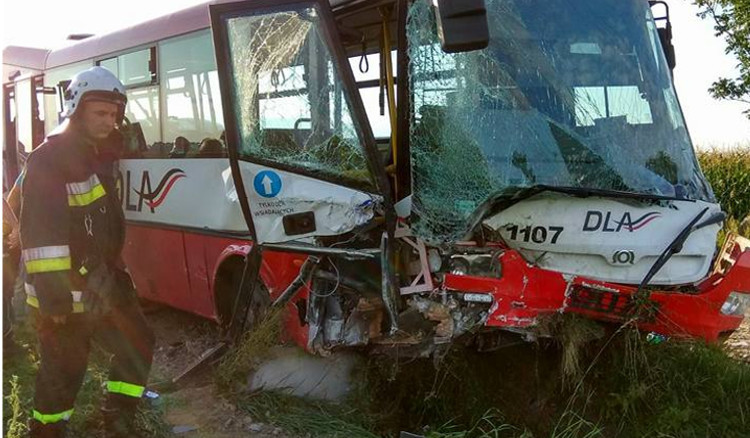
x=286, y=206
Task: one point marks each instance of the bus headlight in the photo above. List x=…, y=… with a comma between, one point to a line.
x=735, y=304
x=478, y=265
x=459, y=266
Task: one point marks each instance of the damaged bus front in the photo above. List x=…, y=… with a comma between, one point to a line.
x=536, y=162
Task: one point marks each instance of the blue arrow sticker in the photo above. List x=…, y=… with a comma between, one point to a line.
x=267, y=184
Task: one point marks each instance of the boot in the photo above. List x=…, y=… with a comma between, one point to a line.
x=54, y=430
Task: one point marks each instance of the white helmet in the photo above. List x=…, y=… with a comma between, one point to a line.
x=96, y=83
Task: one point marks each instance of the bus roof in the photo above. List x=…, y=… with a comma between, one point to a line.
x=29, y=58
x=174, y=24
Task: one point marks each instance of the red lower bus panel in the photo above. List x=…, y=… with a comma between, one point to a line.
x=160, y=274
x=525, y=292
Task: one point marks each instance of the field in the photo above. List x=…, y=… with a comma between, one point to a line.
x=590, y=382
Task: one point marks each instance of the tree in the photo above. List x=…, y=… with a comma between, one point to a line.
x=732, y=18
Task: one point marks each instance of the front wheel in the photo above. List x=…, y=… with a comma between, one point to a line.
x=228, y=284
x=259, y=300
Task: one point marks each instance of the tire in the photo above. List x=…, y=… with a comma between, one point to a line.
x=260, y=299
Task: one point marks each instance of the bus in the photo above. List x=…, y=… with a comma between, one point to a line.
x=406, y=172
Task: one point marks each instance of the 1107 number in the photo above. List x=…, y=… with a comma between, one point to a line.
x=538, y=234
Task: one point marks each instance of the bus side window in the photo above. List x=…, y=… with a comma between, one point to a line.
x=192, y=110
x=136, y=70
x=143, y=107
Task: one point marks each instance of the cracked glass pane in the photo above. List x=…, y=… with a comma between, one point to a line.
x=291, y=107
x=572, y=93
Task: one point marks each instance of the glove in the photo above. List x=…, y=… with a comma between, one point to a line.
x=101, y=287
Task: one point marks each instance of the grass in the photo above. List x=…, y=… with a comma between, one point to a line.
x=19, y=373
x=304, y=417
x=685, y=389
x=728, y=171
x=254, y=346
x=625, y=388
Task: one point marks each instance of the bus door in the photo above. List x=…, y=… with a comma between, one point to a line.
x=23, y=124
x=303, y=158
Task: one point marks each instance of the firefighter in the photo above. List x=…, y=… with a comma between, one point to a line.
x=72, y=233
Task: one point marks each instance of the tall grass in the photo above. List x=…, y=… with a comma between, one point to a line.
x=728, y=171
x=251, y=348
x=680, y=389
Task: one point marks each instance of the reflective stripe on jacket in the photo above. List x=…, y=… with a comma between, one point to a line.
x=71, y=218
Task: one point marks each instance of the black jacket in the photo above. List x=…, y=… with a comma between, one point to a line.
x=71, y=219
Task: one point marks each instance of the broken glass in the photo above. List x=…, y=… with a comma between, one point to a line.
x=569, y=93
x=290, y=103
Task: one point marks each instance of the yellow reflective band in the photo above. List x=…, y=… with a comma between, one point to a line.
x=47, y=265
x=34, y=302
x=125, y=388
x=84, y=199
x=83, y=270
x=52, y=418
x=46, y=252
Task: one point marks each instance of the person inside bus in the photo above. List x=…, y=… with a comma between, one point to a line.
x=72, y=233
x=180, y=148
x=211, y=148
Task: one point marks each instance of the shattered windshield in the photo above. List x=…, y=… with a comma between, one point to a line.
x=290, y=104
x=569, y=93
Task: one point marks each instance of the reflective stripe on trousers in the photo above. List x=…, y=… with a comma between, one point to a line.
x=125, y=388
x=52, y=418
x=33, y=301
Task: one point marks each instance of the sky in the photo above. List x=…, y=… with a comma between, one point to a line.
x=700, y=55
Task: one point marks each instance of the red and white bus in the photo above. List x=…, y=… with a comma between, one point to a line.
x=405, y=171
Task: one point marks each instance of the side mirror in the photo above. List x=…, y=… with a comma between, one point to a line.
x=665, y=34
x=462, y=25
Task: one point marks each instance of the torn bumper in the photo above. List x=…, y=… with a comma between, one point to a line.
x=524, y=293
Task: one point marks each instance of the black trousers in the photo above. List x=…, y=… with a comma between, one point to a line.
x=64, y=351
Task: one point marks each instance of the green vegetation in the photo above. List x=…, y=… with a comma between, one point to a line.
x=728, y=171
x=253, y=347
x=304, y=417
x=19, y=372
x=674, y=389
x=629, y=388
x=731, y=19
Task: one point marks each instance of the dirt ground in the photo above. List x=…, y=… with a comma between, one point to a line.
x=193, y=406
x=738, y=344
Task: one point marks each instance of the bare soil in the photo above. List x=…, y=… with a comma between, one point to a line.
x=193, y=407
x=738, y=344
